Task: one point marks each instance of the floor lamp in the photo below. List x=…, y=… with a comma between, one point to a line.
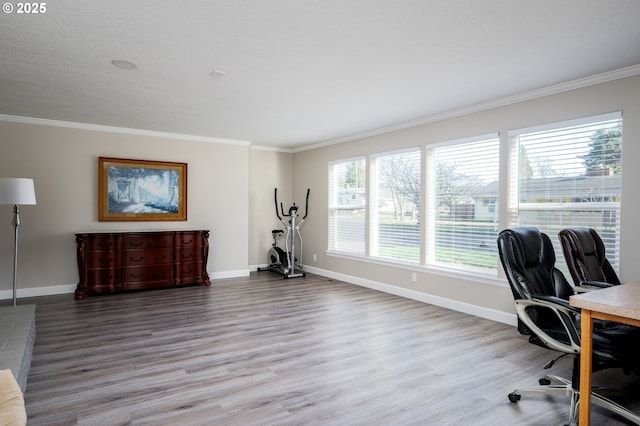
x=16, y=191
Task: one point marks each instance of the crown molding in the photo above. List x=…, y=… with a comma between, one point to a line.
x=496, y=103
x=271, y=148
x=122, y=130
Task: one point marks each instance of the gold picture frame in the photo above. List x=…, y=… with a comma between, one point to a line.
x=141, y=190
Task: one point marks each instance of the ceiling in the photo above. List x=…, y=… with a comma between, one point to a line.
x=293, y=73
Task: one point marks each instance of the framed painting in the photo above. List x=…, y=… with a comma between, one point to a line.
x=139, y=190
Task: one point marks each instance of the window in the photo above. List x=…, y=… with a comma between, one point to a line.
x=462, y=199
x=394, y=222
x=438, y=206
x=569, y=174
x=347, y=206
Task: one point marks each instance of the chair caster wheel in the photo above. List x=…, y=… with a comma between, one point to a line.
x=544, y=382
x=514, y=397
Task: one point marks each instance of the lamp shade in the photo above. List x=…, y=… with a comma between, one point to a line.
x=17, y=191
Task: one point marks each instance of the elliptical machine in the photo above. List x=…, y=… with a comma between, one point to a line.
x=281, y=261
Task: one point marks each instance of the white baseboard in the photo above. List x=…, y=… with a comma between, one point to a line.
x=38, y=291
x=71, y=288
x=455, y=305
x=229, y=274
x=254, y=268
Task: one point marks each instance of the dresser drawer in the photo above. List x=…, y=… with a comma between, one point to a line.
x=188, y=254
x=187, y=239
x=104, y=259
x=152, y=275
x=146, y=241
x=188, y=273
x=105, y=278
x=102, y=242
x=147, y=257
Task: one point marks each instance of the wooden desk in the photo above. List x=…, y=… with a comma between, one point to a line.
x=620, y=303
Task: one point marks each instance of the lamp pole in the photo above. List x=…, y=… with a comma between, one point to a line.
x=16, y=226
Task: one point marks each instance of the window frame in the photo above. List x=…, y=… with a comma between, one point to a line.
x=332, y=234
x=373, y=209
x=515, y=206
x=430, y=188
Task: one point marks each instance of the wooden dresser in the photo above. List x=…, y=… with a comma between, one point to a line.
x=119, y=261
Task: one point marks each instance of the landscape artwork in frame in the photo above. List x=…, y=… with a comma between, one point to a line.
x=139, y=190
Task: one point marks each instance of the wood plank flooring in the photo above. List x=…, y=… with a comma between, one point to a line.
x=266, y=351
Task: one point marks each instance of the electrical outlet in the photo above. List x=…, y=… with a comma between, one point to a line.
x=315, y=258
x=414, y=277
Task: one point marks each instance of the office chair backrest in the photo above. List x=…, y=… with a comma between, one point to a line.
x=584, y=253
x=528, y=260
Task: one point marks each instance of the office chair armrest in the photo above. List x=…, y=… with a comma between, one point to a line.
x=557, y=301
x=595, y=285
x=562, y=310
x=587, y=286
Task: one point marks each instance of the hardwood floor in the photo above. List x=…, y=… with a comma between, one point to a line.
x=266, y=351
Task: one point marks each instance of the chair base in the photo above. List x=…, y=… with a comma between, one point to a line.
x=563, y=387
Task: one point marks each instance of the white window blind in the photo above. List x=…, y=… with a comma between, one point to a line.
x=569, y=174
x=463, y=204
x=394, y=223
x=347, y=206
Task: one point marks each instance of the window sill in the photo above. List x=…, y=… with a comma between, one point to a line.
x=480, y=277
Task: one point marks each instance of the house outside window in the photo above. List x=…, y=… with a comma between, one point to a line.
x=462, y=199
x=569, y=174
x=347, y=206
x=394, y=221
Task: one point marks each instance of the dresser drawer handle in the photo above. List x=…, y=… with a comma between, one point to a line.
x=136, y=259
x=188, y=256
x=136, y=275
x=187, y=242
x=105, y=245
x=136, y=244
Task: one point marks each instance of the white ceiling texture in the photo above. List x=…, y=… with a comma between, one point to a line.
x=294, y=73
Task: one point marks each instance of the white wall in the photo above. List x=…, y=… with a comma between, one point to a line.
x=64, y=165
x=311, y=170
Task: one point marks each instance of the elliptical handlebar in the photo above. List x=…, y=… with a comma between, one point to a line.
x=293, y=207
x=275, y=199
x=306, y=207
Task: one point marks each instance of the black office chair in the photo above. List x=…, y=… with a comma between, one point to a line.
x=541, y=295
x=584, y=253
